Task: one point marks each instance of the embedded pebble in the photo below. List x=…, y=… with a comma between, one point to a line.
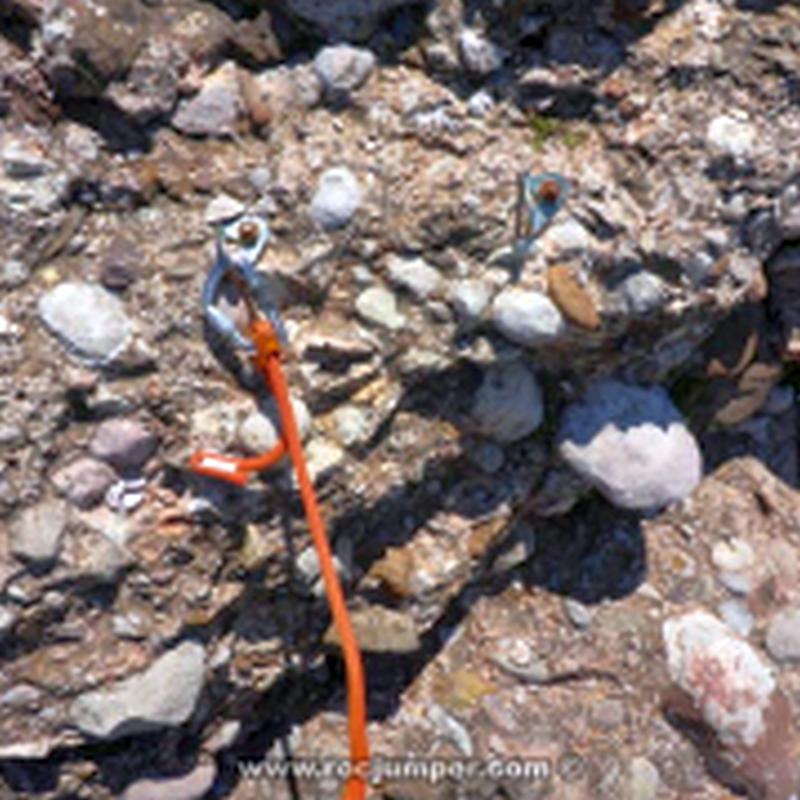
x=527, y=318
x=736, y=616
x=192, y=786
x=122, y=261
x=8, y=616
x=322, y=456
x=480, y=104
x=380, y=630
x=13, y=274
x=84, y=482
x=37, y=532
x=259, y=430
x=126, y=495
x=452, y=729
x=732, y=135
x=164, y=695
x=643, y=780
x=215, y=109
x=105, y=560
x=23, y=158
x=567, y=236
x=88, y=320
x=470, y=299
x=343, y=68
x=216, y=424
x=352, y=425
x=415, y=275
x=123, y=443
x=572, y=299
x=722, y=673
x=733, y=555
x=337, y=198
x=479, y=55
x=579, y=614
x=508, y=406
x=783, y=635
x=378, y=306
x=487, y=456
x=632, y=444
x=643, y=293
x=223, y=208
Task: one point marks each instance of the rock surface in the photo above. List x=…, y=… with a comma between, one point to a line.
x=529, y=608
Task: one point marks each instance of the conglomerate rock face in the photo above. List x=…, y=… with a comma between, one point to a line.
x=509, y=451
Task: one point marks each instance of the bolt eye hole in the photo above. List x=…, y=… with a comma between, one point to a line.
x=549, y=191
x=248, y=233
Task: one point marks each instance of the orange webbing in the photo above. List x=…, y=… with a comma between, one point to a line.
x=268, y=361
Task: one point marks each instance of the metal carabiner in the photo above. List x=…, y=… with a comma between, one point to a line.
x=239, y=247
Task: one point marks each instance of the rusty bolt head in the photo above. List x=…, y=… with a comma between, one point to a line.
x=549, y=191
x=248, y=233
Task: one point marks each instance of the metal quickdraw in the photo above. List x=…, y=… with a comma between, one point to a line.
x=249, y=237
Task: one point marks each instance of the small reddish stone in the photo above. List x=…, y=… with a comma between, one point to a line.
x=574, y=302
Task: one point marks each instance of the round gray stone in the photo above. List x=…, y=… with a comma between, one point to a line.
x=479, y=55
x=124, y=443
x=337, y=198
x=508, y=405
x=343, y=68
x=631, y=444
x=165, y=694
x=643, y=292
x=527, y=318
x=37, y=532
x=84, y=482
x=783, y=635
x=89, y=321
x=470, y=298
x=414, y=275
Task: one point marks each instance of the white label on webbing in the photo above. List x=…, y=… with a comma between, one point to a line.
x=209, y=462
